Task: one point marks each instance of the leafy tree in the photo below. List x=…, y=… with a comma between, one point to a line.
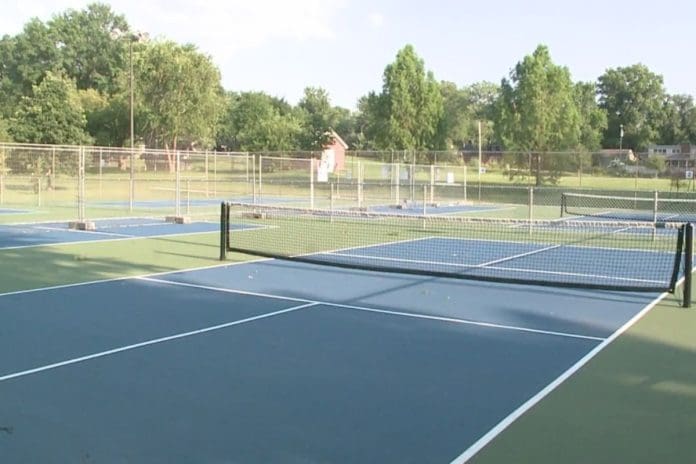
x=537, y=113
x=346, y=125
x=25, y=60
x=410, y=105
x=52, y=115
x=107, y=118
x=319, y=116
x=371, y=122
x=679, y=124
x=179, y=95
x=463, y=109
x=5, y=131
x=255, y=121
x=633, y=96
x=88, y=50
x=454, y=130
x=593, y=119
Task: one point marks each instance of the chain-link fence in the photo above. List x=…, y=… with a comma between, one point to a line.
x=47, y=181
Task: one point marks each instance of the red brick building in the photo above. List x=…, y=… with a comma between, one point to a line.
x=334, y=152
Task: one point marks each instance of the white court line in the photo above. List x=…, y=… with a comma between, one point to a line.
x=54, y=221
x=155, y=341
x=133, y=277
x=489, y=265
x=77, y=231
x=381, y=311
x=121, y=237
x=530, y=403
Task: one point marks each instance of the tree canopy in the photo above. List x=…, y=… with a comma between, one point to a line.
x=66, y=80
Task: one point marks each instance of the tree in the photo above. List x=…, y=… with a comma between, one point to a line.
x=593, y=119
x=318, y=115
x=179, y=95
x=5, y=131
x=410, y=105
x=454, y=130
x=88, y=51
x=537, y=113
x=463, y=109
x=679, y=124
x=25, y=60
x=52, y=115
x=633, y=97
x=107, y=117
x=255, y=121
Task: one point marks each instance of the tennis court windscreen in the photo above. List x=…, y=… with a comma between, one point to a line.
x=646, y=206
x=631, y=256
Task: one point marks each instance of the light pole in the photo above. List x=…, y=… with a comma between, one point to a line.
x=131, y=37
x=131, y=187
x=621, y=134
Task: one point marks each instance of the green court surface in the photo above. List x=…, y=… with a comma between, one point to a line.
x=634, y=402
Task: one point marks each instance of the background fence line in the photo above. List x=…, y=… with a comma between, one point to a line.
x=56, y=182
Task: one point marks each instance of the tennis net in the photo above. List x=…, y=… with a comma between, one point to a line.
x=632, y=256
x=640, y=208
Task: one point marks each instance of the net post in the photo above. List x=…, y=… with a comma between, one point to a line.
x=688, y=263
x=655, y=203
x=563, y=203
x=38, y=191
x=224, y=230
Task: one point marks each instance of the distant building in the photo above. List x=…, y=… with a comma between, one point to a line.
x=333, y=154
x=667, y=150
x=678, y=158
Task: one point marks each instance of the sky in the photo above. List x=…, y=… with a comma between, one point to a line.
x=282, y=46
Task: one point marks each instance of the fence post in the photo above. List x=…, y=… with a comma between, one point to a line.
x=360, y=185
x=531, y=209
x=177, y=185
x=311, y=183
x=331, y=202
x=38, y=190
x=432, y=183
x=465, y=174
x=397, y=181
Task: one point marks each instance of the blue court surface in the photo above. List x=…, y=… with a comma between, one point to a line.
x=276, y=361
x=417, y=209
x=51, y=233
x=197, y=202
x=13, y=211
